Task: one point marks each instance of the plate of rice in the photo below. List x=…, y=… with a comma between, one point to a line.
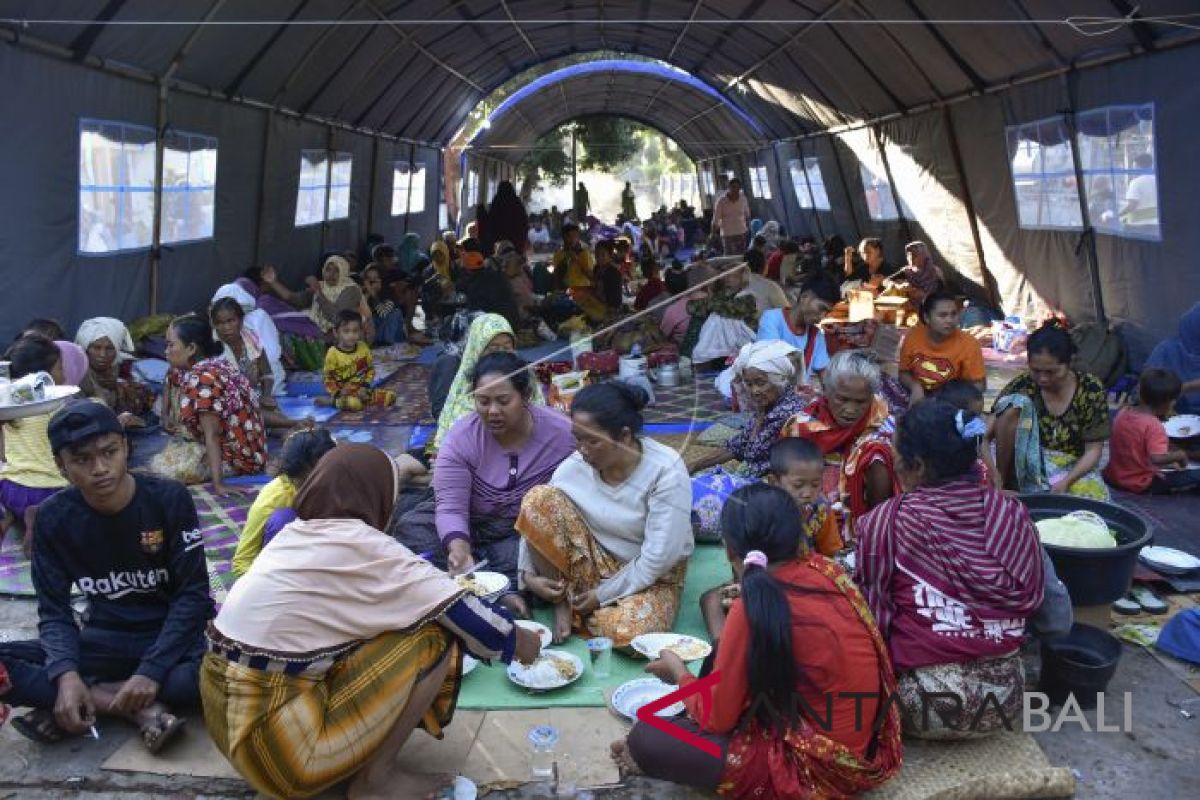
x=553, y=669
x=488, y=585
x=689, y=648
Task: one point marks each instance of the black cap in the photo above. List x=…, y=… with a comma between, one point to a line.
x=80, y=420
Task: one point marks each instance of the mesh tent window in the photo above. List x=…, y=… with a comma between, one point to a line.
x=1116, y=151
x=408, y=188
x=881, y=203
x=1043, y=175
x=116, y=186
x=189, y=187
x=808, y=183
x=761, y=181
x=324, y=176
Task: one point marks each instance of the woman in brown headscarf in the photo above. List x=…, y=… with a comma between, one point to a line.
x=338, y=642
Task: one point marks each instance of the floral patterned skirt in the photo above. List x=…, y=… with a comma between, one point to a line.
x=552, y=527
x=963, y=701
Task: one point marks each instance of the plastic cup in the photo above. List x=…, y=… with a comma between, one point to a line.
x=542, y=740
x=600, y=650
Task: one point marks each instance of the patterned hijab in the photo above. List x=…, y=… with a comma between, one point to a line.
x=461, y=402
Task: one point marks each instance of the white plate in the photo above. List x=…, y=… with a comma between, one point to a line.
x=689, y=648
x=488, y=585
x=531, y=678
x=469, y=665
x=1168, y=560
x=1183, y=426
x=541, y=630
x=55, y=397
x=632, y=695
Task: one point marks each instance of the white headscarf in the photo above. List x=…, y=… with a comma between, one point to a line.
x=260, y=323
x=109, y=328
x=772, y=357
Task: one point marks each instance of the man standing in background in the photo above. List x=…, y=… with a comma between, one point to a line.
x=731, y=217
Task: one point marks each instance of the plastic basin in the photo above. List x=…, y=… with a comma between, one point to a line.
x=1094, y=577
x=1080, y=664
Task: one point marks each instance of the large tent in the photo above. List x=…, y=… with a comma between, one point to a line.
x=1002, y=132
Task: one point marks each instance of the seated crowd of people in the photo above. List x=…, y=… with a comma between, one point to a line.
x=345, y=629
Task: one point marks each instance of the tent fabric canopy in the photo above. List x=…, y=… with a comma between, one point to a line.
x=699, y=118
x=420, y=81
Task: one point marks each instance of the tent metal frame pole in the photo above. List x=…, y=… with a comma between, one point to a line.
x=887, y=170
x=412, y=165
x=372, y=185
x=261, y=218
x=1087, y=239
x=812, y=200
x=328, y=188
x=989, y=280
x=837, y=162
x=160, y=140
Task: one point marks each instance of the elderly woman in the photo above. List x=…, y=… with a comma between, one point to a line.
x=1052, y=424
x=211, y=408
x=489, y=333
x=766, y=373
x=490, y=459
x=338, y=642
x=107, y=343
x=259, y=322
x=852, y=426
x=607, y=541
x=921, y=273
x=952, y=570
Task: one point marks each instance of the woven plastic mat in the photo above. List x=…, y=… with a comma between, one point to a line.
x=1009, y=766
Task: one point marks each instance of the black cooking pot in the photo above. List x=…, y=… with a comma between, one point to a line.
x=1094, y=576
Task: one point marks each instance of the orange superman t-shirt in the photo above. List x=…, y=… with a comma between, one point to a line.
x=958, y=358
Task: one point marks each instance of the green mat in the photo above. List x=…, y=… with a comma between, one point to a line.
x=489, y=687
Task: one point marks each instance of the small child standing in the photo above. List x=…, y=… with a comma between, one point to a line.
x=1140, y=447
x=797, y=467
x=29, y=475
x=350, y=369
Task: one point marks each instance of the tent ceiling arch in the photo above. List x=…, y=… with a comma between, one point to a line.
x=699, y=118
x=360, y=63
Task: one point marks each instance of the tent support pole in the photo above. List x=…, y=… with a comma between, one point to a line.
x=160, y=136
x=412, y=156
x=328, y=189
x=260, y=225
x=812, y=200
x=989, y=280
x=887, y=170
x=1087, y=239
x=372, y=181
x=837, y=162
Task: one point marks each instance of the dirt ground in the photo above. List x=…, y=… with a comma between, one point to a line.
x=1157, y=759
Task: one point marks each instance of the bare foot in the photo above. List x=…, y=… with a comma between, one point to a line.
x=400, y=784
x=625, y=762
x=562, y=623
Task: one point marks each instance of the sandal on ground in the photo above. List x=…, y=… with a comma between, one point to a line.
x=163, y=731
x=40, y=726
x=1127, y=606
x=1148, y=600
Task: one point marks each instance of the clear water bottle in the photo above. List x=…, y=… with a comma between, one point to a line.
x=542, y=740
x=5, y=381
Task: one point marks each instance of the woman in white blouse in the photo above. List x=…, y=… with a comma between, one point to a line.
x=607, y=541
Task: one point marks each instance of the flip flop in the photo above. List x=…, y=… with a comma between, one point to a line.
x=156, y=736
x=39, y=726
x=1127, y=606
x=1148, y=600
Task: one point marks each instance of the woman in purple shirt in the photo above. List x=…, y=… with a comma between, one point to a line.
x=487, y=463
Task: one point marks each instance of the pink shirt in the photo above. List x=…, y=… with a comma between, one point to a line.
x=675, y=319
x=732, y=217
